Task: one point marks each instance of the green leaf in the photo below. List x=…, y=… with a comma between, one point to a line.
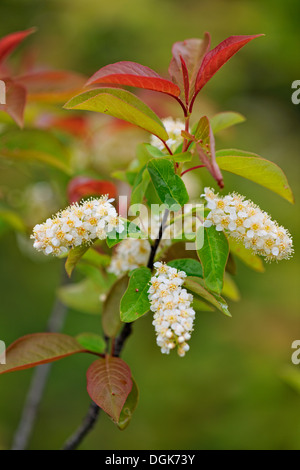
x=190, y=266
x=111, y=322
x=34, y=145
x=227, y=119
x=145, y=152
x=109, y=384
x=91, y=342
x=94, y=258
x=257, y=169
x=182, y=157
x=82, y=296
x=213, y=256
x=140, y=186
x=247, y=256
x=200, y=306
x=39, y=348
x=196, y=285
x=129, y=407
x=121, y=104
x=131, y=230
x=169, y=187
x=135, y=302
x=74, y=255
x=230, y=289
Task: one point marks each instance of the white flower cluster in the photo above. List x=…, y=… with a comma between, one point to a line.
x=173, y=128
x=245, y=221
x=76, y=225
x=129, y=254
x=171, y=304
x=132, y=253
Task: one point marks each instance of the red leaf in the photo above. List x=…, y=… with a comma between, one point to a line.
x=82, y=186
x=218, y=56
x=10, y=42
x=109, y=384
x=133, y=74
x=205, y=145
x=74, y=125
x=191, y=51
x=15, y=101
x=52, y=85
x=39, y=348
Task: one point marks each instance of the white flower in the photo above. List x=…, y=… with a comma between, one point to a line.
x=76, y=225
x=246, y=222
x=171, y=304
x=173, y=128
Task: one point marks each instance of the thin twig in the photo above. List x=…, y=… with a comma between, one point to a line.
x=38, y=382
x=86, y=426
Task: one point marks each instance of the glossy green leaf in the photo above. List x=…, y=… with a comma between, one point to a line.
x=169, y=187
x=256, y=169
x=109, y=384
x=190, y=266
x=94, y=258
x=200, y=306
x=213, y=256
x=74, y=256
x=224, y=120
x=34, y=145
x=135, y=302
x=39, y=348
x=129, y=407
x=140, y=186
x=196, y=285
x=91, y=342
x=182, y=157
x=111, y=322
x=230, y=289
x=130, y=230
x=247, y=256
x=120, y=104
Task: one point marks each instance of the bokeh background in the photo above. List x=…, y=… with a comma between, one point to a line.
x=237, y=387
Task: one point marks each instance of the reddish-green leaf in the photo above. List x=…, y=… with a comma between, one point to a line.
x=121, y=104
x=109, y=384
x=39, y=348
x=205, y=145
x=257, y=169
x=136, y=75
x=218, y=56
x=189, y=52
x=52, y=86
x=83, y=186
x=11, y=41
x=15, y=97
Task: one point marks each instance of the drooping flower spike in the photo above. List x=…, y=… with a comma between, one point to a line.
x=245, y=221
x=76, y=225
x=171, y=304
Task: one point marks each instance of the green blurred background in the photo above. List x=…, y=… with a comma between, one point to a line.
x=237, y=387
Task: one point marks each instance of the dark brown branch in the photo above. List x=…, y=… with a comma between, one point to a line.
x=86, y=426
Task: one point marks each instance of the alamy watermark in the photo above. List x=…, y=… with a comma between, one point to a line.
x=296, y=94
x=2, y=92
x=296, y=354
x=2, y=352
